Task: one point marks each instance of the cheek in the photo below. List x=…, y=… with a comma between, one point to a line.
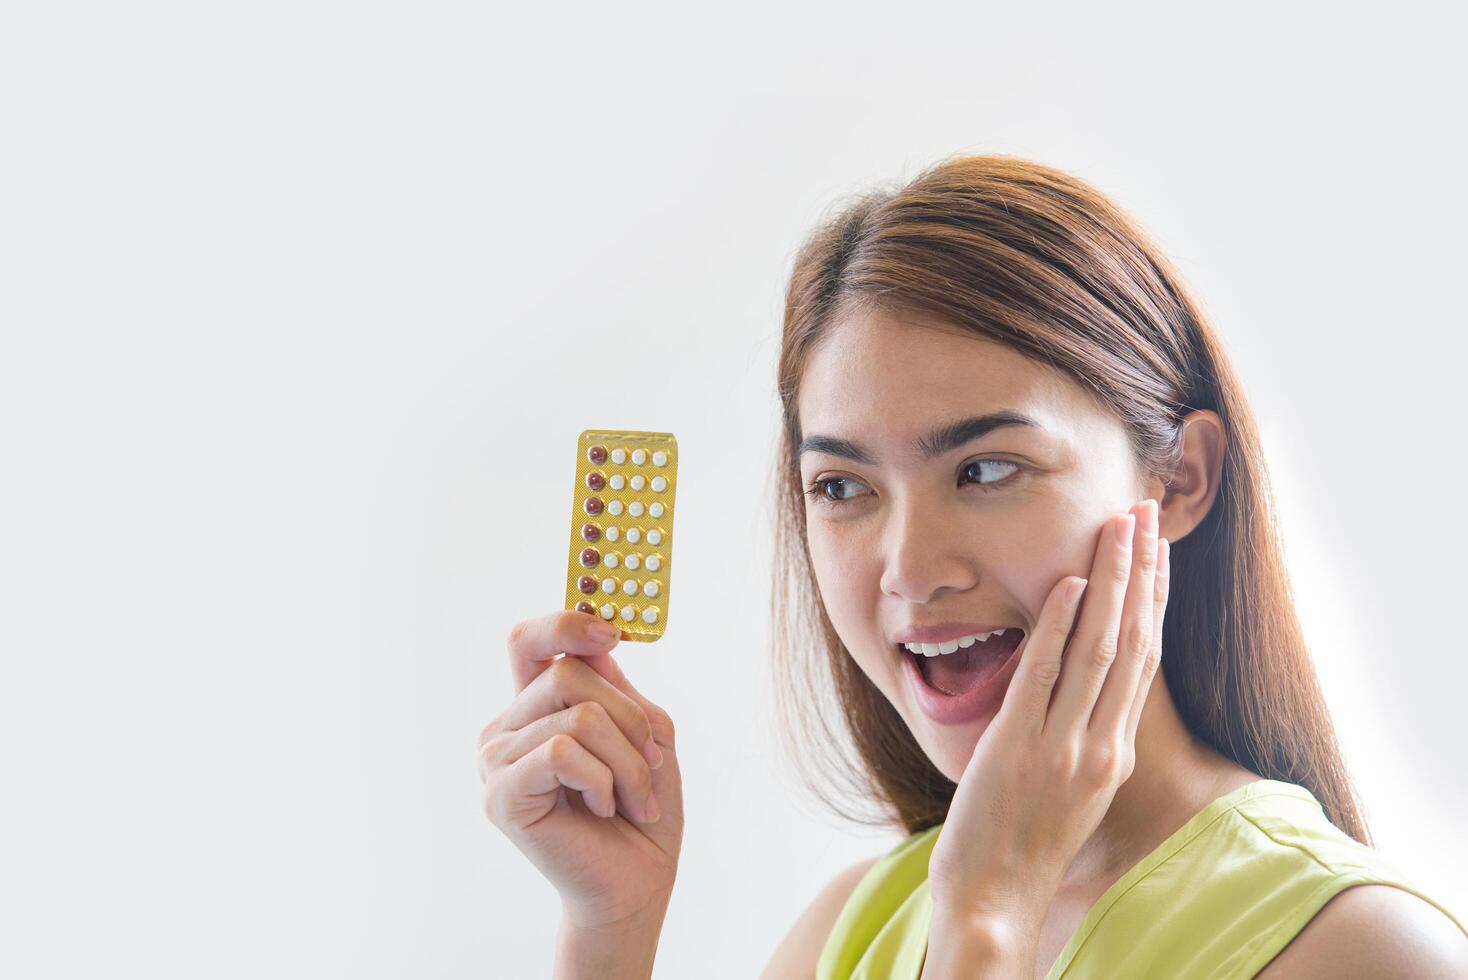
x=849, y=578
x=843, y=566
x=1063, y=543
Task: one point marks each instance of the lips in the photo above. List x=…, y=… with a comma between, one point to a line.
x=985, y=689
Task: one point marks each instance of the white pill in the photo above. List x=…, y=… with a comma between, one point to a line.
x=617, y=482
x=638, y=482
x=609, y=585
x=650, y=589
x=654, y=563
x=659, y=484
x=629, y=587
x=610, y=558
x=660, y=458
x=654, y=536
x=650, y=615
x=613, y=533
x=655, y=509
x=628, y=613
x=607, y=612
x=614, y=508
x=639, y=456
x=633, y=561
x=635, y=508
x=633, y=535
x=619, y=456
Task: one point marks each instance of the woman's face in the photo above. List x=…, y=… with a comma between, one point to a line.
x=909, y=528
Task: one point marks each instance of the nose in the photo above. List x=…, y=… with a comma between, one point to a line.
x=925, y=553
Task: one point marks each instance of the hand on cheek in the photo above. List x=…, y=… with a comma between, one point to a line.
x=1046, y=769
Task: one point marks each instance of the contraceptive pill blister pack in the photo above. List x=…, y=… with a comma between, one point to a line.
x=622, y=529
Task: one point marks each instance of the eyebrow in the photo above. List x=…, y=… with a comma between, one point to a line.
x=943, y=439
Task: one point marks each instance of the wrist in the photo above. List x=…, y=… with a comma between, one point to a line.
x=976, y=946
x=623, y=950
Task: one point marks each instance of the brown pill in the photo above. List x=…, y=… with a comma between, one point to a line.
x=586, y=607
x=590, y=557
x=593, y=505
x=595, y=480
x=591, y=532
x=597, y=455
x=586, y=584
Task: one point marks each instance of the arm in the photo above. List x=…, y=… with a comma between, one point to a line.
x=1376, y=932
x=800, y=951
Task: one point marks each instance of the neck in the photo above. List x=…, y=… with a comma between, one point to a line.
x=1174, y=777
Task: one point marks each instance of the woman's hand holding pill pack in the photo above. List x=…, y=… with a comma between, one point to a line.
x=581, y=771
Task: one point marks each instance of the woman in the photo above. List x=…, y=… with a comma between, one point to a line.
x=995, y=388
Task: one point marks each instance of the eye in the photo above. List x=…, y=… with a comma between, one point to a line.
x=822, y=490
x=829, y=491
x=976, y=464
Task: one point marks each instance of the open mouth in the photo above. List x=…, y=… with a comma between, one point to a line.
x=959, y=666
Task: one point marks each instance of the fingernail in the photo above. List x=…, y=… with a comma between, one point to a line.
x=653, y=754
x=653, y=810
x=1073, y=594
x=1164, y=556
x=1125, y=527
x=605, y=632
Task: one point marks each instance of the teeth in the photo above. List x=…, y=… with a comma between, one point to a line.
x=951, y=646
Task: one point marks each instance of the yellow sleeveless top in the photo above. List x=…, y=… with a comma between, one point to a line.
x=1219, y=898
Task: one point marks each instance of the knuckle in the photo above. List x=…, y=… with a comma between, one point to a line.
x=487, y=734
x=518, y=632
x=1101, y=759
x=586, y=717
x=563, y=673
x=1121, y=573
x=1047, y=672
x=1109, y=760
x=658, y=720
x=1068, y=757
x=1150, y=663
x=559, y=749
x=1104, y=652
x=1138, y=634
x=491, y=750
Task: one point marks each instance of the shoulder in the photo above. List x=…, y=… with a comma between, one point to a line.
x=800, y=950
x=1375, y=931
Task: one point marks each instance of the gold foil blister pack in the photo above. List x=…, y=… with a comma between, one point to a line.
x=622, y=529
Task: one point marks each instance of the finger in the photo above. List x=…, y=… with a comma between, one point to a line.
x=1093, y=649
x=527, y=786
x=1028, y=698
x=662, y=723
x=1164, y=579
x=590, y=725
x=569, y=682
x=1120, y=688
x=534, y=643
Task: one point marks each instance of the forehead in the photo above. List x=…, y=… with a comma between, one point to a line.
x=885, y=378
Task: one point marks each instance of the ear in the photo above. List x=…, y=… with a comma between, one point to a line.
x=1187, y=495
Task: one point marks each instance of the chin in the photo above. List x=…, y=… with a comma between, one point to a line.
x=951, y=750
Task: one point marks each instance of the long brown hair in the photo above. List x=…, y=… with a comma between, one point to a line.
x=1035, y=259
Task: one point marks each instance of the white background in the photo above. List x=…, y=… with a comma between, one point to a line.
x=304, y=305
